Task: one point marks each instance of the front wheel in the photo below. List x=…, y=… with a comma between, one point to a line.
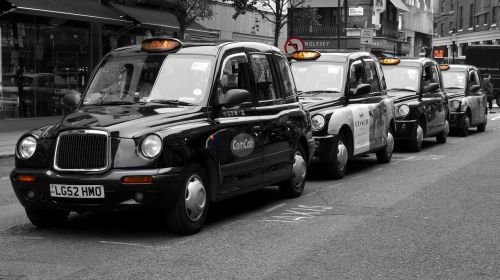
x=294, y=186
x=464, y=129
x=441, y=137
x=190, y=210
x=338, y=166
x=415, y=144
x=385, y=155
x=45, y=218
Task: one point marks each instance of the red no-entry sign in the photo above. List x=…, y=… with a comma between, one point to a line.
x=293, y=44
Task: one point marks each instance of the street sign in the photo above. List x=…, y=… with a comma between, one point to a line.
x=355, y=11
x=366, y=37
x=293, y=44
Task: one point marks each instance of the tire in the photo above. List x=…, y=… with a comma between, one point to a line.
x=385, y=155
x=482, y=127
x=338, y=166
x=498, y=100
x=189, y=213
x=294, y=186
x=464, y=128
x=415, y=145
x=45, y=218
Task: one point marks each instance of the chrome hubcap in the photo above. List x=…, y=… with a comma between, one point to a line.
x=446, y=128
x=299, y=169
x=390, y=143
x=196, y=198
x=342, y=155
x=420, y=135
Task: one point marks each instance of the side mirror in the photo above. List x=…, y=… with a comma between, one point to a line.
x=432, y=87
x=362, y=89
x=72, y=99
x=233, y=97
x=474, y=88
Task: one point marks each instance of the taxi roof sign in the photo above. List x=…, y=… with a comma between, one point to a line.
x=389, y=60
x=444, y=67
x=160, y=44
x=305, y=55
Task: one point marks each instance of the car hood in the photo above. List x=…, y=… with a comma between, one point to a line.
x=455, y=93
x=126, y=121
x=411, y=98
x=314, y=104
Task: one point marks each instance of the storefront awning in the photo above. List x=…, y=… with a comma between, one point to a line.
x=89, y=10
x=155, y=18
x=400, y=5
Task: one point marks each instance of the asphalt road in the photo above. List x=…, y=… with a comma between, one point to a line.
x=428, y=215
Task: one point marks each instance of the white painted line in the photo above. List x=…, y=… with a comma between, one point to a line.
x=4, y=178
x=410, y=158
x=378, y=169
x=125, y=243
x=283, y=221
x=394, y=163
x=275, y=207
x=496, y=118
x=309, y=194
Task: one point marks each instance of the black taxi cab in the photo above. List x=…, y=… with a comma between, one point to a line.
x=173, y=125
x=416, y=86
x=351, y=113
x=467, y=100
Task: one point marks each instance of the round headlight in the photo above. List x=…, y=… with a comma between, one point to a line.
x=455, y=104
x=26, y=147
x=317, y=122
x=151, y=146
x=403, y=110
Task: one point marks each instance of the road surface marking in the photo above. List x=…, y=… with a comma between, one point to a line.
x=435, y=148
x=410, y=158
x=299, y=213
x=281, y=221
x=125, y=243
x=4, y=178
x=496, y=118
x=378, y=169
x=309, y=194
x=275, y=207
x=396, y=162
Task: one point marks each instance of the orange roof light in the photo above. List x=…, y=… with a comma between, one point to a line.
x=161, y=45
x=137, y=179
x=305, y=55
x=389, y=61
x=444, y=67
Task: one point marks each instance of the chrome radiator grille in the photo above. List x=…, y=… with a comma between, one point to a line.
x=82, y=150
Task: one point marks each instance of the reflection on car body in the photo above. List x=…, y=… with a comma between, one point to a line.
x=350, y=111
x=421, y=103
x=218, y=121
x=467, y=100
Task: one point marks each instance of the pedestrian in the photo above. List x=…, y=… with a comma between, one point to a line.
x=488, y=87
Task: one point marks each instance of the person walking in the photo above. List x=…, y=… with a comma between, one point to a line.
x=488, y=87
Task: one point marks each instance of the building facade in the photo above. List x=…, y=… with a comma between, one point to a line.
x=461, y=23
x=401, y=28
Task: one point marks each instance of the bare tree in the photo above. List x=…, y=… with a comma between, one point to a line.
x=188, y=11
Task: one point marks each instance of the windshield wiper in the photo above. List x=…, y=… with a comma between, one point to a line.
x=402, y=89
x=314, y=92
x=171, y=102
x=108, y=103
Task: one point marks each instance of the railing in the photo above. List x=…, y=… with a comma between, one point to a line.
x=316, y=30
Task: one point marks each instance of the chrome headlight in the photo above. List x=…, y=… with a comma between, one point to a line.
x=317, y=122
x=403, y=110
x=455, y=104
x=26, y=147
x=151, y=146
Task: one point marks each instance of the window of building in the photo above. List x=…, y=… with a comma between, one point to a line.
x=264, y=80
x=494, y=15
x=471, y=15
x=442, y=29
x=441, y=9
x=486, y=16
x=450, y=27
x=452, y=6
x=461, y=17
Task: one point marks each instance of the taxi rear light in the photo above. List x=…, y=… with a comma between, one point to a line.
x=305, y=55
x=25, y=178
x=160, y=45
x=389, y=61
x=444, y=67
x=137, y=179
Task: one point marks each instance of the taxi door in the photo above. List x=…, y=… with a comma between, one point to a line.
x=368, y=110
x=477, y=99
x=237, y=138
x=435, y=103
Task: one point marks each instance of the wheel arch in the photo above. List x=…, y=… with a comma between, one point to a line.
x=347, y=131
x=209, y=164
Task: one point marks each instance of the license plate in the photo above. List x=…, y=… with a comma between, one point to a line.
x=77, y=191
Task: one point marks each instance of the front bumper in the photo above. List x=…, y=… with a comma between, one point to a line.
x=326, y=149
x=162, y=191
x=406, y=129
x=456, y=119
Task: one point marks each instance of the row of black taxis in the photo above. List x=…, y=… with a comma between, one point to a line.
x=179, y=126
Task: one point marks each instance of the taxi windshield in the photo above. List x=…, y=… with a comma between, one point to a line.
x=173, y=79
x=323, y=79
x=453, y=80
x=401, y=80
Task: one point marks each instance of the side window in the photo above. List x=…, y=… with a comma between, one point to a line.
x=286, y=73
x=474, y=79
x=431, y=75
x=371, y=75
x=264, y=81
x=356, y=74
x=233, y=75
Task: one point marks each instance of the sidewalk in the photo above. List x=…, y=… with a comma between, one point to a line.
x=12, y=129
